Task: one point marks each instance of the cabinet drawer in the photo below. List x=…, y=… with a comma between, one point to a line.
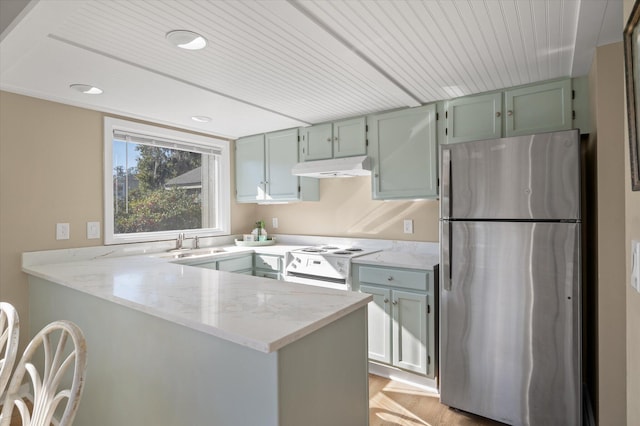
x=269, y=262
x=271, y=275
x=415, y=280
x=236, y=264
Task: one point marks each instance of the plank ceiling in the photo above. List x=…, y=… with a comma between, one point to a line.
x=277, y=64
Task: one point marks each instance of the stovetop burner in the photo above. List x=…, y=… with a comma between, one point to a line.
x=314, y=250
x=326, y=250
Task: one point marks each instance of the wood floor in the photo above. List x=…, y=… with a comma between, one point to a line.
x=395, y=403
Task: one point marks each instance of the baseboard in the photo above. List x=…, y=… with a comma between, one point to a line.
x=388, y=372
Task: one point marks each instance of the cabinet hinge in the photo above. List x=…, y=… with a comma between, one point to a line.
x=446, y=131
x=428, y=309
x=437, y=116
x=573, y=115
x=573, y=94
x=298, y=138
x=366, y=142
x=299, y=189
x=446, y=114
x=366, y=127
x=428, y=359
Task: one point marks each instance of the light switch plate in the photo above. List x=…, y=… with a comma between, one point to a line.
x=635, y=265
x=62, y=231
x=274, y=222
x=408, y=226
x=93, y=230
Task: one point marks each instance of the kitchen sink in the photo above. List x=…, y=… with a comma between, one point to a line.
x=187, y=253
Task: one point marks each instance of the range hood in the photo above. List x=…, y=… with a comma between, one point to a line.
x=336, y=167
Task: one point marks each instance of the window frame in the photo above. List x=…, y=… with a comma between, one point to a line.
x=224, y=187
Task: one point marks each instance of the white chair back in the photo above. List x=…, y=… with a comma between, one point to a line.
x=10, y=329
x=62, y=348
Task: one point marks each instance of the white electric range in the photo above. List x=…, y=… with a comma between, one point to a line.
x=325, y=265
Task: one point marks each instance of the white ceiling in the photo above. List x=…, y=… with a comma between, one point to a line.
x=277, y=64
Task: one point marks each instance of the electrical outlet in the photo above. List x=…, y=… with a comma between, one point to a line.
x=62, y=231
x=408, y=226
x=274, y=222
x=93, y=230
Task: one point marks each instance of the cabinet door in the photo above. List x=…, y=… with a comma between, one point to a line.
x=379, y=323
x=237, y=264
x=281, y=155
x=250, y=169
x=317, y=142
x=541, y=108
x=473, y=118
x=349, y=138
x=410, y=331
x=403, y=150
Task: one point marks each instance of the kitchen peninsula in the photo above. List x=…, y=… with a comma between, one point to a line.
x=174, y=344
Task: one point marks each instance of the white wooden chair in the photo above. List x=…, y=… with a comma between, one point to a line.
x=58, y=358
x=10, y=329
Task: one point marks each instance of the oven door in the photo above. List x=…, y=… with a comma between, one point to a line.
x=317, y=281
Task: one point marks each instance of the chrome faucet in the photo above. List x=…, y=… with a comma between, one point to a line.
x=196, y=242
x=180, y=240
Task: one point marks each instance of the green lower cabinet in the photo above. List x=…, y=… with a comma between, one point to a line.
x=379, y=323
x=400, y=317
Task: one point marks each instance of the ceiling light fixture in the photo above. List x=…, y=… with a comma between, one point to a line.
x=201, y=118
x=186, y=39
x=87, y=89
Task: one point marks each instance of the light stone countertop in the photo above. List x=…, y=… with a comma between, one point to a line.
x=399, y=259
x=255, y=312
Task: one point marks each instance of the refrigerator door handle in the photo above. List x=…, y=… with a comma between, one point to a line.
x=445, y=247
x=445, y=205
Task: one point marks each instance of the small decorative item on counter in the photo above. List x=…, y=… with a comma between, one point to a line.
x=259, y=233
x=248, y=237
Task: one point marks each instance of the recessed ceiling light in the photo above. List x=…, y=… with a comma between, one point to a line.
x=87, y=89
x=186, y=39
x=201, y=118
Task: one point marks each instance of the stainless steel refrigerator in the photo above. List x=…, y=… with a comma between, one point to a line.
x=510, y=283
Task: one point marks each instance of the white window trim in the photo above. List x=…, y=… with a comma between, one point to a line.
x=224, y=206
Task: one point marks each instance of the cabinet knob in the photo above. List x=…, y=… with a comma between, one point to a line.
x=335, y=139
x=509, y=113
x=328, y=139
x=386, y=300
x=395, y=302
x=498, y=114
x=390, y=278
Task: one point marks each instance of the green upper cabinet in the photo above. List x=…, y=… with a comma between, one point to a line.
x=518, y=111
x=344, y=138
x=473, y=118
x=316, y=142
x=281, y=156
x=349, y=137
x=540, y=108
x=263, y=169
x=404, y=153
x=250, y=169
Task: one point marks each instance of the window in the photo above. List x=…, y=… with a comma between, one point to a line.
x=161, y=182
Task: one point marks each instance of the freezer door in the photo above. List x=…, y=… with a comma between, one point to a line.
x=524, y=177
x=510, y=322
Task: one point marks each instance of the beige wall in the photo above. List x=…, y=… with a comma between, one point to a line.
x=50, y=172
x=346, y=209
x=607, y=94
x=632, y=223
